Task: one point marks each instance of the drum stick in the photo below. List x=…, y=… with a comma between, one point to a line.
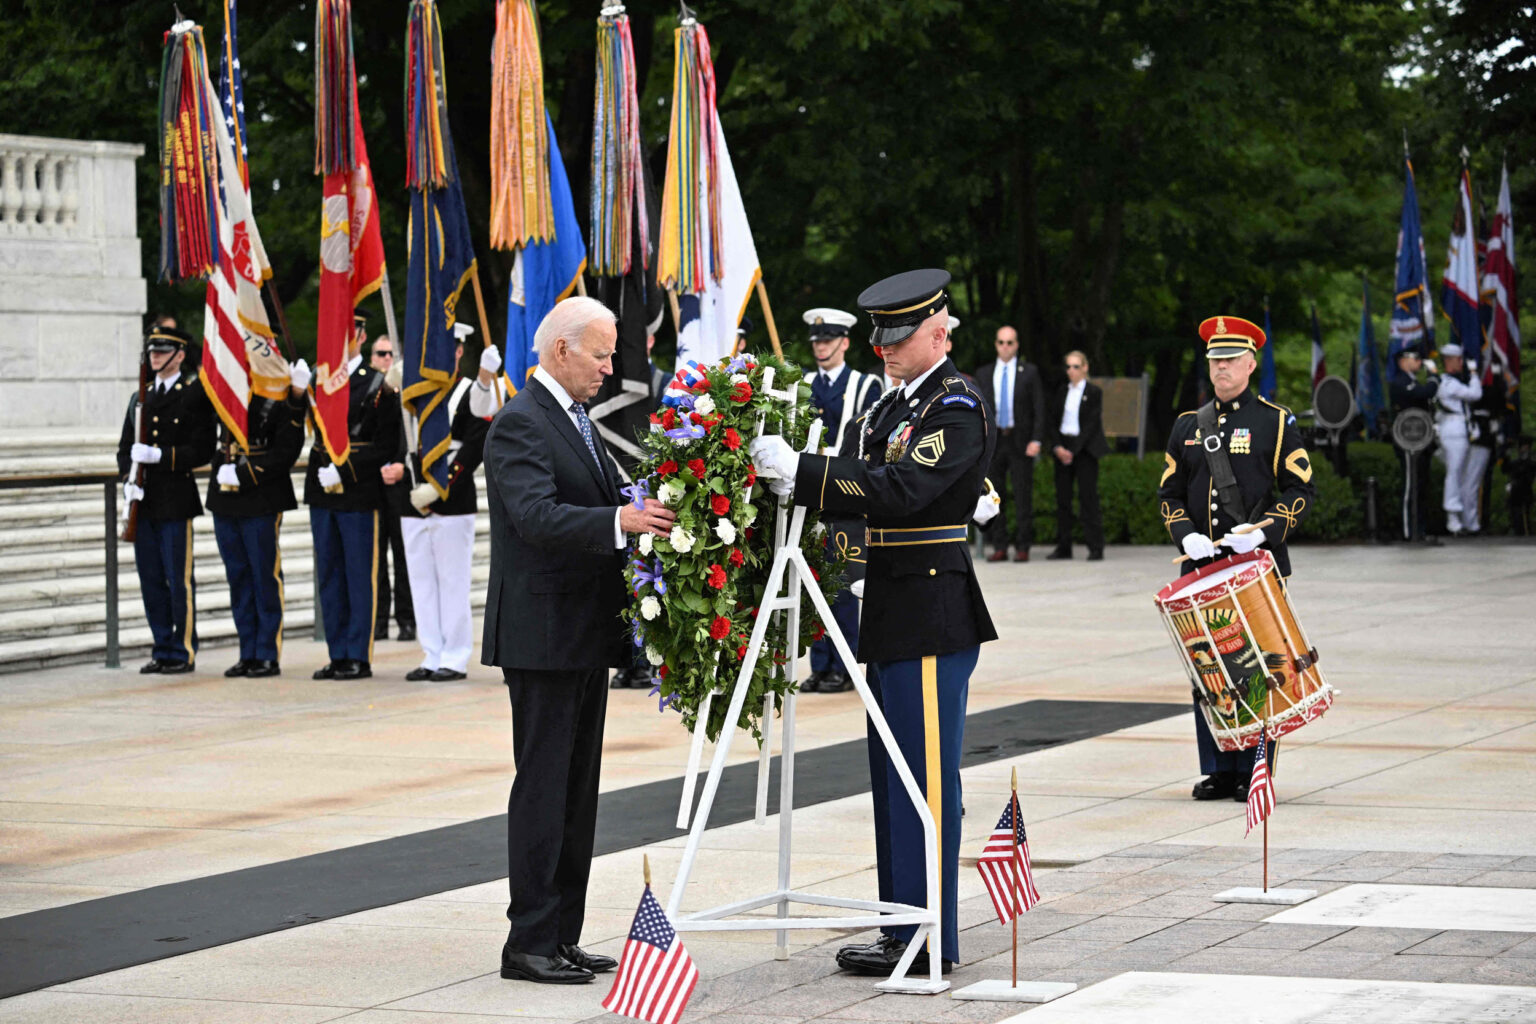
x=1245, y=528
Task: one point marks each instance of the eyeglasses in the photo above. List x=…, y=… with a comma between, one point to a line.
x=1074, y=366
x=386, y=354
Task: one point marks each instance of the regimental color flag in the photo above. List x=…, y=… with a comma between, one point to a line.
x=1499, y=285
x=1459, y=285
x=351, y=247
x=1413, y=319
x=1011, y=894
x=1319, y=357
x=544, y=272
x=1261, y=788
x=656, y=974
x=1267, y=384
x=438, y=250
x=1370, y=395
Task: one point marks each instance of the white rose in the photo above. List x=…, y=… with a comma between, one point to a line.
x=649, y=607
x=740, y=378
x=682, y=540
x=726, y=531
x=653, y=656
x=647, y=542
x=704, y=405
x=670, y=493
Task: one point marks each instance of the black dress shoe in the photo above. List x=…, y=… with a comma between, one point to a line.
x=1059, y=554
x=448, y=675
x=350, y=669
x=594, y=962
x=1095, y=556
x=882, y=961
x=812, y=682
x=546, y=970
x=381, y=631
x=1240, y=791
x=1216, y=786
x=327, y=671
x=406, y=633
x=151, y=667
x=623, y=679
x=835, y=682
x=880, y=945
x=261, y=669
x=175, y=668
x=419, y=675
x=239, y=668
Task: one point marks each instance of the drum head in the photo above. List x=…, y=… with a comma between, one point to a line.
x=1413, y=430
x=1213, y=575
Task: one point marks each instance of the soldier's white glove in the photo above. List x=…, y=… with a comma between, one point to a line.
x=1243, y=543
x=329, y=476
x=422, y=495
x=490, y=359
x=988, y=505
x=132, y=492
x=856, y=588
x=782, y=488
x=774, y=458
x=227, y=475
x=145, y=454
x=299, y=375
x=1429, y=365
x=1199, y=547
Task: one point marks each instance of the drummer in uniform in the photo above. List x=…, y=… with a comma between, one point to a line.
x=1261, y=444
x=919, y=466
x=840, y=395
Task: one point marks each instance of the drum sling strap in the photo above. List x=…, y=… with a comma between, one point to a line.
x=1228, y=495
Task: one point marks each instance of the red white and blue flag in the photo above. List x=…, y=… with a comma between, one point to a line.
x=1261, y=789
x=1499, y=286
x=1413, y=321
x=1459, y=284
x=656, y=974
x=1011, y=894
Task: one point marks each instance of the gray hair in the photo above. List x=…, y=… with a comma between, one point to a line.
x=570, y=320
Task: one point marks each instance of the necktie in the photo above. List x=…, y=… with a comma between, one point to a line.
x=1005, y=404
x=586, y=431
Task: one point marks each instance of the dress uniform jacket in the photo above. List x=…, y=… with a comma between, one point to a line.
x=839, y=403
x=179, y=422
x=1266, y=453
x=373, y=428
x=276, y=434
x=922, y=466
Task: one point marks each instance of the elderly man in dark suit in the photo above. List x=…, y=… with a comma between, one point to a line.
x=1077, y=442
x=552, y=625
x=1015, y=400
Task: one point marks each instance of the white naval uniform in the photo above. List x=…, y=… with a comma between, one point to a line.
x=855, y=394
x=1453, y=416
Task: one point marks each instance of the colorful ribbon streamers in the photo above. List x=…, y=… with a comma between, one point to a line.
x=618, y=198
x=690, y=205
x=188, y=164
x=426, y=100
x=521, y=211
x=335, y=88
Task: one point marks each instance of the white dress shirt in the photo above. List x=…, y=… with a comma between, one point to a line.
x=1070, y=426
x=910, y=387
x=164, y=384
x=565, y=401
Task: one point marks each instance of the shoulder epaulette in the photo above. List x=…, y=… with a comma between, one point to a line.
x=1275, y=405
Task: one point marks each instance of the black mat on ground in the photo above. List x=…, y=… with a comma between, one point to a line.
x=49, y=947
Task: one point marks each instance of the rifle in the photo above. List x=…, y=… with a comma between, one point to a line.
x=136, y=470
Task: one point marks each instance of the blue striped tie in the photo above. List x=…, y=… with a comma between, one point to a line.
x=586, y=431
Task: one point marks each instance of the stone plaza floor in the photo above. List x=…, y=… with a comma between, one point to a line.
x=116, y=785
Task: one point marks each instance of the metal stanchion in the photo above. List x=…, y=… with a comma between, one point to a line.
x=114, y=655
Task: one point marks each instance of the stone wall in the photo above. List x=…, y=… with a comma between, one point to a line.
x=72, y=290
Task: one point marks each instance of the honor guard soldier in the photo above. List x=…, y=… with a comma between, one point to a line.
x=1460, y=389
x=178, y=437
x=839, y=395
x=344, y=502
x=1224, y=463
x=916, y=476
x=1407, y=391
x=439, y=535
x=247, y=496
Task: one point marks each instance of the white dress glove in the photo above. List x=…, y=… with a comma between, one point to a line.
x=227, y=475
x=781, y=488
x=329, y=476
x=299, y=375
x=490, y=359
x=1429, y=365
x=1199, y=547
x=857, y=589
x=1243, y=543
x=987, y=507
x=145, y=454
x=423, y=495
x=774, y=458
x=132, y=492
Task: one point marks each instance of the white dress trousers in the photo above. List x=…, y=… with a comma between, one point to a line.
x=439, y=551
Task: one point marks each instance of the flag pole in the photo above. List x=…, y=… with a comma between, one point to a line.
x=485, y=323
x=1269, y=700
x=646, y=860
x=773, y=330
x=1018, y=879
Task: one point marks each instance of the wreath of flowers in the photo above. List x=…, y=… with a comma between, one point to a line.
x=695, y=594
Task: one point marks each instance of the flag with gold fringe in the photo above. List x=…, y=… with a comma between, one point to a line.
x=521, y=206
x=188, y=162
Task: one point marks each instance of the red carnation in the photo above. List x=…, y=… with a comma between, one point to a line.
x=751, y=475
x=720, y=628
x=695, y=417
x=821, y=631
x=662, y=672
x=655, y=419
x=732, y=439
x=737, y=558
x=702, y=386
x=750, y=531
x=716, y=576
x=696, y=467
x=666, y=468
x=741, y=652
x=669, y=418
x=719, y=504
x=710, y=422
x=815, y=575
x=741, y=392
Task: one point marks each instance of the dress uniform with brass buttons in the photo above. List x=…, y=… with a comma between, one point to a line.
x=923, y=451
x=247, y=496
x=1273, y=474
x=344, y=520
x=179, y=437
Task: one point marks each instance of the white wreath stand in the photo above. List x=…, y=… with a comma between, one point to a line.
x=789, y=575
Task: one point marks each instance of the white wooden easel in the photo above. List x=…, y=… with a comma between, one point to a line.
x=789, y=576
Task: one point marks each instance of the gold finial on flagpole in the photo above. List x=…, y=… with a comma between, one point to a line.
x=1015, y=778
x=647, y=861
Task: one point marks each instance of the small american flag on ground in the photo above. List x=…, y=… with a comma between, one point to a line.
x=656, y=974
x=996, y=867
x=1261, y=791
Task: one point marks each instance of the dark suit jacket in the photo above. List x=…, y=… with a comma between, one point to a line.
x=1090, y=421
x=557, y=584
x=1029, y=419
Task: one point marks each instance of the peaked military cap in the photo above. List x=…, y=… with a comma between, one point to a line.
x=826, y=323
x=1228, y=336
x=898, y=304
x=461, y=330
x=954, y=322
x=359, y=317
x=166, y=339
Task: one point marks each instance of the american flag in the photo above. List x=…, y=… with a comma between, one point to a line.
x=1261, y=791
x=232, y=90
x=996, y=867
x=656, y=974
